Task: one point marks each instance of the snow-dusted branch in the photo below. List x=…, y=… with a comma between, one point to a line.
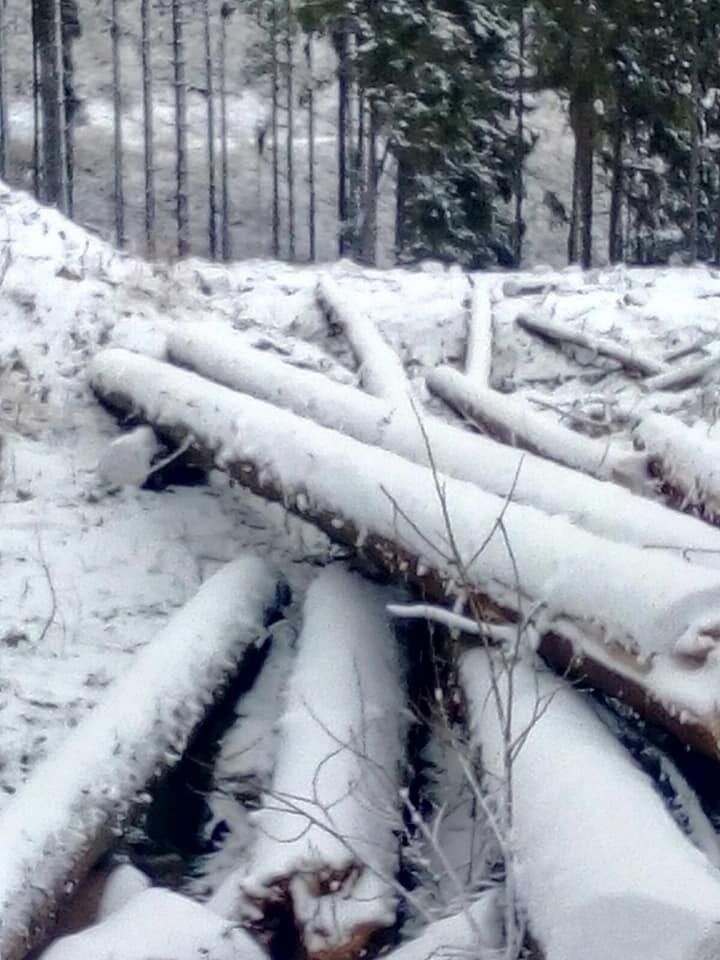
x=681, y=376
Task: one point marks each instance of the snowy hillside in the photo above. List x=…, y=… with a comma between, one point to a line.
x=601, y=371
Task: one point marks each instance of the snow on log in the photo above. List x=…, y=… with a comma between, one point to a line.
x=217, y=352
x=561, y=332
x=686, y=459
x=512, y=420
x=381, y=369
x=57, y=825
x=327, y=835
x=158, y=923
x=601, y=869
x=638, y=624
x=474, y=933
x=478, y=353
x=682, y=375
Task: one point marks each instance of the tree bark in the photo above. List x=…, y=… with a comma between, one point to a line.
x=274, y=121
x=694, y=173
x=95, y=776
x=210, y=93
x=225, y=13
x=388, y=512
x=46, y=41
x=289, y=138
x=340, y=42
x=148, y=128
x=617, y=192
x=118, y=151
x=369, y=235
x=3, y=100
x=181, y=130
x=311, y=150
x=582, y=119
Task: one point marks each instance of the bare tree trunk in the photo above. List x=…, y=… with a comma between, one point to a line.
x=210, y=91
x=615, y=229
x=148, y=129
x=289, y=102
x=583, y=125
x=36, y=100
x=3, y=107
x=46, y=42
x=119, y=191
x=64, y=200
x=520, y=139
x=274, y=108
x=225, y=14
x=311, y=148
x=340, y=42
x=694, y=174
x=368, y=247
x=181, y=159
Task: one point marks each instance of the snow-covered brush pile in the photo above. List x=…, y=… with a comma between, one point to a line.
x=349, y=401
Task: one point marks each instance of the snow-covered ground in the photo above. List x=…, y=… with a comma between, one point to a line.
x=92, y=571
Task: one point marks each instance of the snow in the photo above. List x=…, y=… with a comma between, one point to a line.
x=602, y=869
x=128, y=459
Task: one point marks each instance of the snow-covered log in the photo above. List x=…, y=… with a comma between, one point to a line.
x=685, y=458
x=478, y=353
x=157, y=924
x=561, y=332
x=681, y=376
x=327, y=836
x=639, y=624
x=512, y=420
x=600, y=867
x=473, y=933
x=64, y=816
x=604, y=508
x=381, y=369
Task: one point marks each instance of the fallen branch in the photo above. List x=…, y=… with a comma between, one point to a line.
x=640, y=623
x=641, y=890
x=478, y=354
x=327, y=830
x=561, y=332
x=381, y=369
x=685, y=459
x=600, y=507
x=512, y=420
x=63, y=818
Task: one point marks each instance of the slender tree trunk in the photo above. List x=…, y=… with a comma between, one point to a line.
x=520, y=139
x=225, y=14
x=583, y=124
x=3, y=107
x=370, y=226
x=64, y=200
x=401, y=195
x=148, y=128
x=694, y=174
x=36, y=99
x=341, y=48
x=210, y=90
x=290, y=120
x=69, y=29
x=181, y=132
x=615, y=229
x=118, y=149
x=47, y=40
x=274, y=117
x=311, y=148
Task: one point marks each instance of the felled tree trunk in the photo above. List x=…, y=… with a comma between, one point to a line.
x=599, y=507
x=512, y=420
x=64, y=817
x=636, y=621
x=599, y=867
x=685, y=459
x=327, y=829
